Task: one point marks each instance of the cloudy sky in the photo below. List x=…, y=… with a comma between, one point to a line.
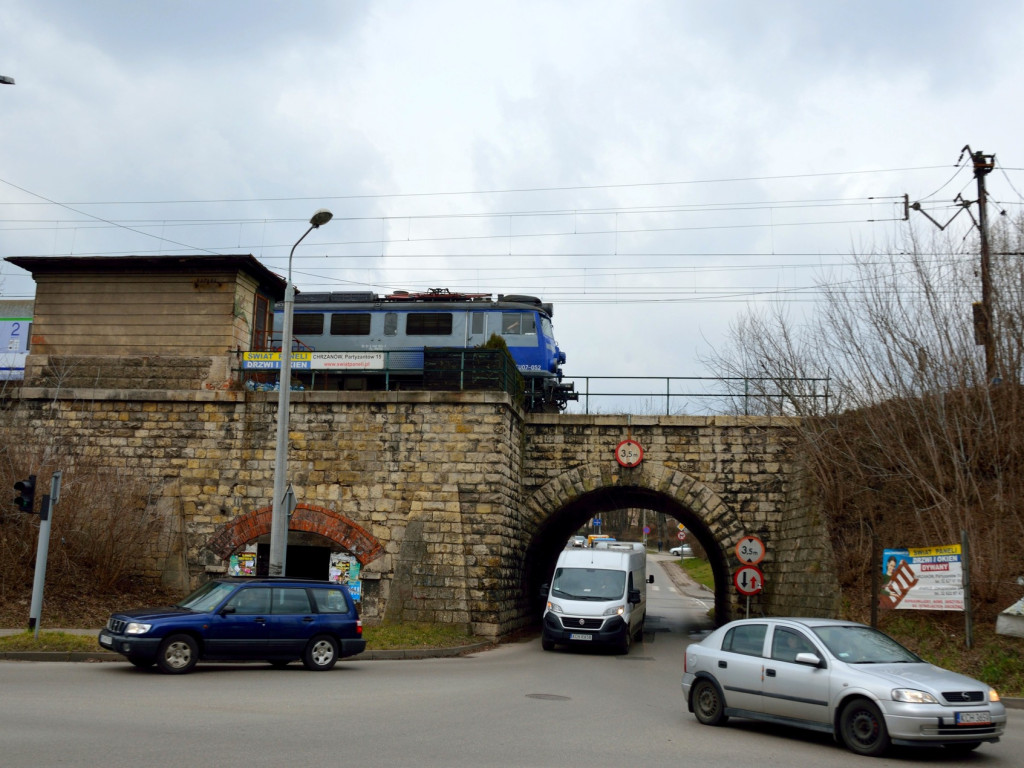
x=654, y=169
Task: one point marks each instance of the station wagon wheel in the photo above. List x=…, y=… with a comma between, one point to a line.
x=178, y=654
x=863, y=728
x=321, y=653
x=708, y=705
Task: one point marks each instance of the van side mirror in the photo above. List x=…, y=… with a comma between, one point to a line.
x=634, y=596
x=544, y=590
x=650, y=579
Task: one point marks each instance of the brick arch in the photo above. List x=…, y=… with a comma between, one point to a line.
x=311, y=519
x=649, y=480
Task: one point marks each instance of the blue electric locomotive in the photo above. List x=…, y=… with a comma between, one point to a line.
x=380, y=339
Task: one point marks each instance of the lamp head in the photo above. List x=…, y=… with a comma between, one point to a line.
x=321, y=217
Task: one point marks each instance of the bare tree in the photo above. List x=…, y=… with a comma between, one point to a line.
x=915, y=445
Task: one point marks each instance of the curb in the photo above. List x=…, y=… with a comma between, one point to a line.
x=400, y=654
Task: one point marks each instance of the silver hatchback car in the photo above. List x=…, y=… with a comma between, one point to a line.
x=839, y=677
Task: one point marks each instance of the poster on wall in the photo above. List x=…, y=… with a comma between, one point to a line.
x=345, y=570
x=242, y=564
x=923, y=579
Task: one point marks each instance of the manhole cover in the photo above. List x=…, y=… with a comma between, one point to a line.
x=547, y=696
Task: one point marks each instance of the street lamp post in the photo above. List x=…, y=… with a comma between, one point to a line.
x=279, y=518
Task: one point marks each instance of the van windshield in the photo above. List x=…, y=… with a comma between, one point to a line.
x=588, y=584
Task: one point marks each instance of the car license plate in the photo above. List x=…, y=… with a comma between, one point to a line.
x=973, y=718
x=580, y=636
x=106, y=640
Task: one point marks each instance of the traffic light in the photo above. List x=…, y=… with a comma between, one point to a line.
x=26, y=499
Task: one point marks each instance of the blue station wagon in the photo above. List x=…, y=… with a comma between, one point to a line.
x=276, y=620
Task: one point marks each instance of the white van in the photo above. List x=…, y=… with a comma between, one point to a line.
x=597, y=596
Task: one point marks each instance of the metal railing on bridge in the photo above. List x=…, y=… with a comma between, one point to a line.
x=699, y=395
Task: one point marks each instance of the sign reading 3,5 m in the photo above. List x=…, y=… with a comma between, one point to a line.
x=750, y=550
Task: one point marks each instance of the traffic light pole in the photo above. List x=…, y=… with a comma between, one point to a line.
x=42, y=552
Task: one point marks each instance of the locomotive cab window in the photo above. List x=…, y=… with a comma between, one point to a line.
x=517, y=323
x=308, y=324
x=350, y=324
x=428, y=324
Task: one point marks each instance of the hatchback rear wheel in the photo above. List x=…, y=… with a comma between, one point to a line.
x=708, y=705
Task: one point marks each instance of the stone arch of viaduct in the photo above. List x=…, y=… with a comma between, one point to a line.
x=581, y=493
x=456, y=504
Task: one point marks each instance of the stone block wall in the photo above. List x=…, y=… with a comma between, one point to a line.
x=432, y=477
x=456, y=491
x=156, y=373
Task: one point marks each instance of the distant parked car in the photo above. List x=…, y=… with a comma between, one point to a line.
x=683, y=550
x=242, y=619
x=839, y=677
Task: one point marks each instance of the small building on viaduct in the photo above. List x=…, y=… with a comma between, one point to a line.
x=441, y=506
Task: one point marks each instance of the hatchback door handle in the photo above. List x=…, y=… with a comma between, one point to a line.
x=722, y=664
x=307, y=619
x=770, y=672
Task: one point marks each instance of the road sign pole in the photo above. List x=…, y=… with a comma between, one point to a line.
x=42, y=552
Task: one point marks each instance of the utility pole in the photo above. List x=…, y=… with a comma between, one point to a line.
x=984, y=327
x=984, y=333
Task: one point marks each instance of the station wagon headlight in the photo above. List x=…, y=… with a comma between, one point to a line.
x=911, y=696
x=992, y=695
x=615, y=610
x=137, y=628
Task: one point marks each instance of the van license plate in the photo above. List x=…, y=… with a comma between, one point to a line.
x=973, y=718
x=576, y=636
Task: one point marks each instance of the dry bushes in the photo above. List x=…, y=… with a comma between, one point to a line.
x=914, y=444
x=102, y=529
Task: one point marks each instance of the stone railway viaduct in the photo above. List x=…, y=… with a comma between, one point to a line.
x=455, y=504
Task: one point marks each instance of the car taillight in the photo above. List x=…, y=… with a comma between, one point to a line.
x=359, y=626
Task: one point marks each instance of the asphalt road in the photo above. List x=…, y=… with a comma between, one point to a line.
x=511, y=706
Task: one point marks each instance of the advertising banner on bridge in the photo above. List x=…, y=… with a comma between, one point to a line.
x=315, y=361
x=923, y=579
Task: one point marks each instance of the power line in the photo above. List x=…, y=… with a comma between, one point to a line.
x=518, y=190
